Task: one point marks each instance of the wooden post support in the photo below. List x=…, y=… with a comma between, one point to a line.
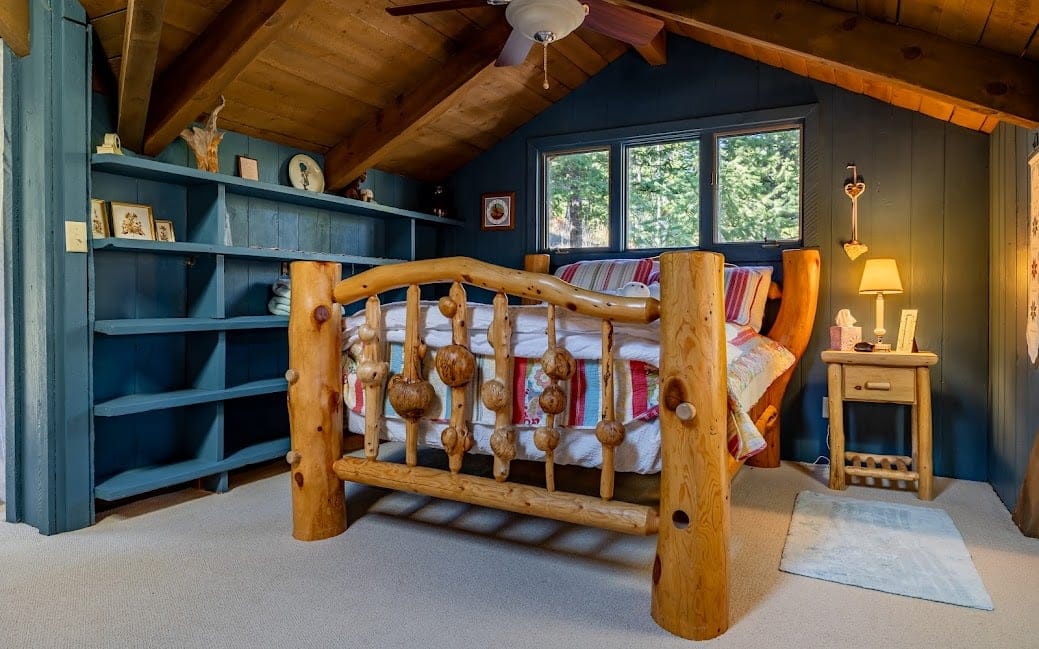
x=410, y=394
x=315, y=348
x=609, y=431
x=535, y=263
x=559, y=365
x=691, y=571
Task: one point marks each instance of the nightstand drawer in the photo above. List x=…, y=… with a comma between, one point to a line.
x=870, y=383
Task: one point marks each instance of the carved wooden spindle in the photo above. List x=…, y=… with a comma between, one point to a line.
x=609, y=431
x=409, y=393
x=497, y=393
x=559, y=365
x=457, y=367
x=372, y=373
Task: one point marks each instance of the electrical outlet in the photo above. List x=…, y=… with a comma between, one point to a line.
x=826, y=408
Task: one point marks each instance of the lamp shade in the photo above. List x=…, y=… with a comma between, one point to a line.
x=545, y=21
x=880, y=276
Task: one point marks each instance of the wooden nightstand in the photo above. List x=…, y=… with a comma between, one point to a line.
x=881, y=378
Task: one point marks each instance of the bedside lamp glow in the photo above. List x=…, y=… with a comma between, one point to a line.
x=880, y=277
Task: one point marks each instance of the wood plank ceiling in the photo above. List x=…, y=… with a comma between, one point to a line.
x=342, y=77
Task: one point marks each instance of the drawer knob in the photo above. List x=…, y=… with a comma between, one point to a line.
x=878, y=385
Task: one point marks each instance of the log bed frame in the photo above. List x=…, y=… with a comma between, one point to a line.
x=690, y=592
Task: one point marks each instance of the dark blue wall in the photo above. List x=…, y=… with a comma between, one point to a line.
x=1015, y=380
x=926, y=205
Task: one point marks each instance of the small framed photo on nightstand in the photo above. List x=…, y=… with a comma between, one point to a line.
x=906, y=332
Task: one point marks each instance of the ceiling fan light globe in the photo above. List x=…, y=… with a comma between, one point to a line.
x=534, y=18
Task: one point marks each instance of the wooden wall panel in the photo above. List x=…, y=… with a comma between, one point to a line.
x=926, y=205
x=1014, y=379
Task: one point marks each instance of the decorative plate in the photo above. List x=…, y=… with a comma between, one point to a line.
x=304, y=173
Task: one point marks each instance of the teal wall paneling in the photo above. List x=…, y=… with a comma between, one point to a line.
x=925, y=205
x=47, y=117
x=1014, y=378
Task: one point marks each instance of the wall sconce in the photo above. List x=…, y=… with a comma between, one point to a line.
x=880, y=277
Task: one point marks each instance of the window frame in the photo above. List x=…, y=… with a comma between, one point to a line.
x=706, y=129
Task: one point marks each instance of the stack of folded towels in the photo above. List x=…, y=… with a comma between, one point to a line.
x=279, y=304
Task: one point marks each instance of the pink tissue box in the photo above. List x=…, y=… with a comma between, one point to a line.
x=844, y=338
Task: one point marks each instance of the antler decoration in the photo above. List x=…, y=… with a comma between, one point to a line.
x=205, y=142
x=854, y=189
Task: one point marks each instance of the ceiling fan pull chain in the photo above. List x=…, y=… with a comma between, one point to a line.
x=545, y=66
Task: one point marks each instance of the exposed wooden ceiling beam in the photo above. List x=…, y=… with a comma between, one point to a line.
x=14, y=25
x=193, y=83
x=975, y=78
x=144, y=20
x=414, y=109
x=655, y=51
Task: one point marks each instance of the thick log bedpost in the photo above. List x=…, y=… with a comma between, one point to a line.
x=691, y=571
x=315, y=401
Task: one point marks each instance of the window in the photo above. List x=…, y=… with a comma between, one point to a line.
x=759, y=186
x=663, y=209
x=712, y=183
x=577, y=199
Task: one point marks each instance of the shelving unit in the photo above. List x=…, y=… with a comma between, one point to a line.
x=188, y=367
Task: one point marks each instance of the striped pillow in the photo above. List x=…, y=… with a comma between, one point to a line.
x=746, y=290
x=607, y=275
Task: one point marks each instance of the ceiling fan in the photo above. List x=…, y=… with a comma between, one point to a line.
x=546, y=21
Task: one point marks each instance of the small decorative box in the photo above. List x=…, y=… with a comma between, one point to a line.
x=844, y=338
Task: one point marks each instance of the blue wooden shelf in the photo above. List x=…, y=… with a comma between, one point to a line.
x=135, y=403
x=192, y=249
x=144, y=479
x=132, y=327
x=148, y=169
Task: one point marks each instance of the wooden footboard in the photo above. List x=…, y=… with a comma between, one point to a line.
x=691, y=570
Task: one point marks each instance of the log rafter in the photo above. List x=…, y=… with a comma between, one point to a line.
x=972, y=77
x=144, y=20
x=193, y=83
x=14, y=25
x=415, y=109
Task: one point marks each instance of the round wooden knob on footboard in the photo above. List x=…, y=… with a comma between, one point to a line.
x=494, y=395
x=503, y=443
x=291, y=376
x=685, y=411
x=552, y=400
x=609, y=433
x=366, y=333
x=293, y=457
x=456, y=365
x=546, y=439
x=411, y=399
x=558, y=363
x=448, y=307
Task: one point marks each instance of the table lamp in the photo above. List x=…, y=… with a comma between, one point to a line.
x=880, y=276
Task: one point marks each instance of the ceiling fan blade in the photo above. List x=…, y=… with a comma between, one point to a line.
x=621, y=23
x=426, y=7
x=515, y=50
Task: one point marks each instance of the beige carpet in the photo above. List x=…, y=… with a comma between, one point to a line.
x=187, y=570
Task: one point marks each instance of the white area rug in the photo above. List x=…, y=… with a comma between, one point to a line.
x=901, y=549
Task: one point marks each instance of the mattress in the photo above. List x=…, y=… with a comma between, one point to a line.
x=754, y=362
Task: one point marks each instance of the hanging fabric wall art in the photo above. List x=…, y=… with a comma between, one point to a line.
x=1032, y=321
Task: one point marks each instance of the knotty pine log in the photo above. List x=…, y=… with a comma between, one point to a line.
x=315, y=401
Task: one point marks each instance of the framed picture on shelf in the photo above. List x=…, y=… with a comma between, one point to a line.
x=131, y=221
x=164, y=231
x=498, y=211
x=248, y=168
x=906, y=331
x=99, y=227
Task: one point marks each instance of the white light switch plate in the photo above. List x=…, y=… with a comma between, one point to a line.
x=75, y=236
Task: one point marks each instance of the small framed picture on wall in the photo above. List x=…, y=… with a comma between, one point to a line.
x=498, y=211
x=164, y=231
x=99, y=228
x=248, y=168
x=130, y=221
